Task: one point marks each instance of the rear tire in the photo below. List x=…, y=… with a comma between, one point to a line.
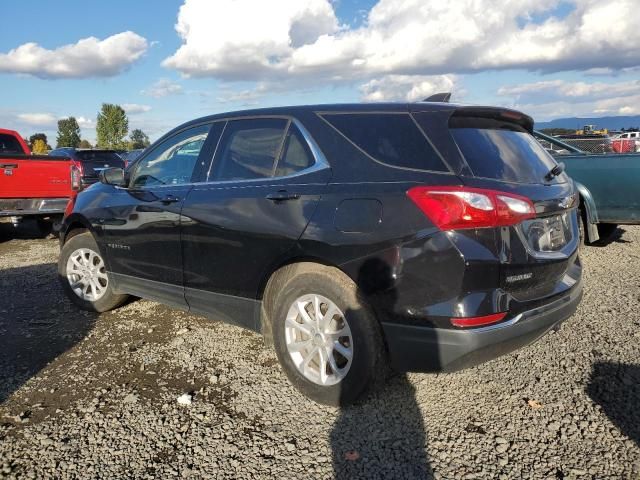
x=314, y=350
x=83, y=276
x=582, y=227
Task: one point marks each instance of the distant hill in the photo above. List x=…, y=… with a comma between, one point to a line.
x=611, y=123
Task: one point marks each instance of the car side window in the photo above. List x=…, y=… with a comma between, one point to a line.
x=248, y=149
x=296, y=155
x=390, y=138
x=173, y=161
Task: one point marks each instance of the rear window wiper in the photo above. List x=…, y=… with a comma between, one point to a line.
x=555, y=171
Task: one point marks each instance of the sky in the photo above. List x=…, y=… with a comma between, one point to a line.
x=170, y=61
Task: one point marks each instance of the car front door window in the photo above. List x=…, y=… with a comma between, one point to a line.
x=249, y=149
x=173, y=161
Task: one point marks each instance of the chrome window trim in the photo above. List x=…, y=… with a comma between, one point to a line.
x=215, y=150
x=280, y=149
x=320, y=161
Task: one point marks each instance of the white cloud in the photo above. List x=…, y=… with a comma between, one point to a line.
x=50, y=120
x=292, y=39
x=408, y=88
x=221, y=39
x=245, y=97
x=89, y=57
x=135, y=108
x=38, y=119
x=562, y=89
x=560, y=98
x=84, y=122
x=163, y=88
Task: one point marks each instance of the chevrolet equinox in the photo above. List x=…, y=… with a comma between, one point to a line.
x=424, y=237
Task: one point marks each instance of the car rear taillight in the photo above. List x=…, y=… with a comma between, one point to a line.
x=454, y=208
x=466, y=322
x=76, y=178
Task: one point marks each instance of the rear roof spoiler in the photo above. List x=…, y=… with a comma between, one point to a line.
x=496, y=113
x=439, y=97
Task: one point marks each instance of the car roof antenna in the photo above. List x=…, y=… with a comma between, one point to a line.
x=439, y=97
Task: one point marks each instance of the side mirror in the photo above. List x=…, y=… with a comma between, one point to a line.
x=112, y=176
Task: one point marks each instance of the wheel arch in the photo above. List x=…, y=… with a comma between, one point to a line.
x=274, y=278
x=73, y=225
x=590, y=212
x=278, y=275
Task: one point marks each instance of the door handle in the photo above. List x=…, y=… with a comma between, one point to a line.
x=282, y=195
x=170, y=199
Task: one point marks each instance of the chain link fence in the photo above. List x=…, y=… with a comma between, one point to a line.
x=594, y=145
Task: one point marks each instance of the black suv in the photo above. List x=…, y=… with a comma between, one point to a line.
x=424, y=236
x=92, y=161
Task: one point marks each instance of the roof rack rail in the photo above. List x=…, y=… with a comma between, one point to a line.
x=439, y=97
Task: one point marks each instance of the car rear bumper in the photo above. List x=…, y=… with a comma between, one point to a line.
x=18, y=207
x=427, y=349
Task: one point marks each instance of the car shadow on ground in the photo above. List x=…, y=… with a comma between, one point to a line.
x=384, y=435
x=29, y=230
x=37, y=323
x=616, y=388
x=615, y=237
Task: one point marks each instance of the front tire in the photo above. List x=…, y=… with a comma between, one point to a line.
x=325, y=336
x=83, y=276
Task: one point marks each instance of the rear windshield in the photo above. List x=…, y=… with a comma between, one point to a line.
x=9, y=144
x=391, y=138
x=508, y=153
x=93, y=156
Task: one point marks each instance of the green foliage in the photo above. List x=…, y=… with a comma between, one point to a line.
x=139, y=139
x=39, y=147
x=112, y=127
x=85, y=144
x=68, y=133
x=557, y=131
x=37, y=136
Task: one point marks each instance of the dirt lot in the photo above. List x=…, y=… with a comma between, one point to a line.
x=86, y=396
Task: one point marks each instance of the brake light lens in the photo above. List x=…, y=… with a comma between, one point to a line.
x=466, y=322
x=455, y=208
x=76, y=178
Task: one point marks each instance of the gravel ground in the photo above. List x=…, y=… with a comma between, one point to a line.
x=86, y=396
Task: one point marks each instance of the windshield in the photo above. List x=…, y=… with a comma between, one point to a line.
x=504, y=154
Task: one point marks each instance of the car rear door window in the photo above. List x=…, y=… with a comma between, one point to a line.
x=390, y=138
x=296, y=155
x=502, y=151
x=173, y=161
x=248, y=149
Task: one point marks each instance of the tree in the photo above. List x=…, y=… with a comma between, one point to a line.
x=85, y=144
x=39, y=147
x=38, y=136
x=139, y=139
x=112, y=127
x=557, y=131
x=68, y=133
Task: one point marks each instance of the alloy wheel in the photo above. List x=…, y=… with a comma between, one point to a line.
x=87, y=274
x=318, y=339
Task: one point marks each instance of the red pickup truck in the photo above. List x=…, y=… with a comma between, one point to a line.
x=34, y=186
